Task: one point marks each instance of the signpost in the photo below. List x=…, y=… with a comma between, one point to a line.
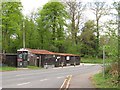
x=103, y=61
x=104, y=45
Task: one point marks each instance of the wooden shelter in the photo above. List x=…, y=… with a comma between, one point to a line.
x=66, y=58
x=39, y=58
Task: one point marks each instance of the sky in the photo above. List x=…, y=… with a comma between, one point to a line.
x=30, y=5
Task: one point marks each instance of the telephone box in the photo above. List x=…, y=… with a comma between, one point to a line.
x=22, y=58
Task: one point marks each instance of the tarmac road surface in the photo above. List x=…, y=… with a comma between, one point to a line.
x=45, y=78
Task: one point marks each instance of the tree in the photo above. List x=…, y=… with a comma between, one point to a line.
x=117, y=8
x=11, y=23
x=87, y=39
x=0, y=28
x=75, y=11
x=100, y=9
x=112, y=28
x=51, y=21
x=112, y=47
x=31, y=33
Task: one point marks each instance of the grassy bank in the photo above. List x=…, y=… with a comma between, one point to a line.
x=106, y=82
x=7, y=68
x=94, y=60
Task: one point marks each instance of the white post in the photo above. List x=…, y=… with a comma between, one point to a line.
x=103, y=61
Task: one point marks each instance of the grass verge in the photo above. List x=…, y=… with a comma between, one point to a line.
x=101, y=82
x=7, y=68
x=94, y=60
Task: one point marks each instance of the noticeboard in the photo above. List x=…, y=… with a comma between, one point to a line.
x=67, y=58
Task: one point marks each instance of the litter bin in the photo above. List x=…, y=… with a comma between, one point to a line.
x=25, y=63
x=20, y=64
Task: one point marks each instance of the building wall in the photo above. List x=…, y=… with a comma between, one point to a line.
x=10, y=59
x=32, y=60
x=47, y=59
x=77, y=58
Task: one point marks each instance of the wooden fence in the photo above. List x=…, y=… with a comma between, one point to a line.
x=8, y=59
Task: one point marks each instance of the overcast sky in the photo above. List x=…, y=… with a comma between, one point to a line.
x=30, y=5
x=33, y=5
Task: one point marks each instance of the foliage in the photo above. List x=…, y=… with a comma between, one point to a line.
x=31, y=33
x=109, y=81
x=88, y=39
x=100, y=9
x=75, y=10
x=51, y=23
x=11, y=25
x=52, y=28
x=88, y=59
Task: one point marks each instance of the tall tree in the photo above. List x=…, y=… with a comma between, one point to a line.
x=30, y=33
x=75, y=11
x=100, y=9
x=11, y=22
x=117, y=8
x=112, y=31
x=52, y=19
x=0, y=28
x=87, y=39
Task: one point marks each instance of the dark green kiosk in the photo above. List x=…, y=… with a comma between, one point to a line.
x=22, y=58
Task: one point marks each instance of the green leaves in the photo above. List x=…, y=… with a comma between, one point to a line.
x=88, y=39
x=11, y=21
x=51, y=22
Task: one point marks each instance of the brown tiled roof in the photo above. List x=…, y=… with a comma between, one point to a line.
x=66, y=54
x=37, y=51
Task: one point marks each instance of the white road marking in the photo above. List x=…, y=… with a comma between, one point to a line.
x=63, y=84
x=26, y=74
x=23, y=83
x=43, y=80
x=67, y=67
x=22, y=74
x=60, y=77
x=33, y=73
x=57, y=68
x=67, y=82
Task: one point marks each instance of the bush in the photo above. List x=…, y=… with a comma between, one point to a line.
x=111, y=79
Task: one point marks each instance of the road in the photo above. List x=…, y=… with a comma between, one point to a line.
x=44, y=78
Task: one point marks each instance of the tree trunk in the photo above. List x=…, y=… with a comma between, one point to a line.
x=97, y=44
